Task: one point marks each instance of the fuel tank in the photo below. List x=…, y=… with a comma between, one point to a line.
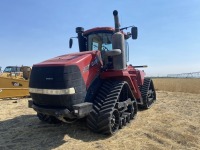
x=63, y=81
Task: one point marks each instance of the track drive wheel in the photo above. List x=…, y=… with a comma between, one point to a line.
x=48, y=119
x=148, y=93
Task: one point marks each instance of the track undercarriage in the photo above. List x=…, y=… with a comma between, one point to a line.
x=113, y=107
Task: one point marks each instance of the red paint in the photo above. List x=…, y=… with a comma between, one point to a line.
x=107, y=29
x=88, y=62
x=99, y=29
x=134, y=78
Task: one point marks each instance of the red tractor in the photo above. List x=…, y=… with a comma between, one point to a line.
x=95, y=83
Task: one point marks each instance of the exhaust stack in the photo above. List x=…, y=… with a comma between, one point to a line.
x=116, y=19
x=119, y=61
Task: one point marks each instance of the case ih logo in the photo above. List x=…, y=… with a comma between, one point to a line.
x=96, y=60
x=93, y=63
x=16, y=84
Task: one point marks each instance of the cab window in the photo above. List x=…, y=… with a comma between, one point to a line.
x=12, y=69
x=100, y=41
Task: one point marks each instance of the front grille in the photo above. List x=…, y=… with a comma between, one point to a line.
x=58, y=77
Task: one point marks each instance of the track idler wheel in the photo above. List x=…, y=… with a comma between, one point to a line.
x=127, y=116
x=110, y=122
x=114, y=121
x=122, y=123
x=132, y=109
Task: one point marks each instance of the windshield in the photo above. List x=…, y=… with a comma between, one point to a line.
x=12, y=69
x=100, y=41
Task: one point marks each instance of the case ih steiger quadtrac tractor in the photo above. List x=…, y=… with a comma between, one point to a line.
x=95, y=83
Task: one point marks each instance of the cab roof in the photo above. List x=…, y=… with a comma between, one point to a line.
x=99, y=29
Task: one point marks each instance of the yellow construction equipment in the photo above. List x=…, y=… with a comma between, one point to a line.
x=14, y=81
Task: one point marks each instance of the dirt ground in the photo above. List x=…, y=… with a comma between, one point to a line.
x=172, y=123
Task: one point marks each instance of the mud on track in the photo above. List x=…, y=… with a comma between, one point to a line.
x=172, y=123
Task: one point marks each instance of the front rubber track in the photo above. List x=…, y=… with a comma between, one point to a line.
x=105, y=118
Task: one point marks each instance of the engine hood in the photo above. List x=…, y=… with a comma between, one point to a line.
x=71, y=59
x=89, y=64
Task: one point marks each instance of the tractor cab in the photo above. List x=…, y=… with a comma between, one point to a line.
x=104, y=39
x=100, y=39
x=22, y=72
x=10, y=69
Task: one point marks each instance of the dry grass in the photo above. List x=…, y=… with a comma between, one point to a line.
x=172, y=123
x=177, y=85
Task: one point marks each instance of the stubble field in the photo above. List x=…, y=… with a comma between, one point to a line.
x=172, y=123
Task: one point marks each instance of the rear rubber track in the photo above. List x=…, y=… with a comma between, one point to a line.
x=148, y=93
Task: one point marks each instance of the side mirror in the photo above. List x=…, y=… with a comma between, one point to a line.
x=134, y=33
x=70, y=42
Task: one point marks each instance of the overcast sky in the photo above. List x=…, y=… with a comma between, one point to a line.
x=168, y=40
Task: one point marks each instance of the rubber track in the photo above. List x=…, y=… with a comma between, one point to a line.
x=144, y=91
x=104, y=103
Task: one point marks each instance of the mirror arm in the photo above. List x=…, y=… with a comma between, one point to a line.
x=128, y=35
x=126, y=27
